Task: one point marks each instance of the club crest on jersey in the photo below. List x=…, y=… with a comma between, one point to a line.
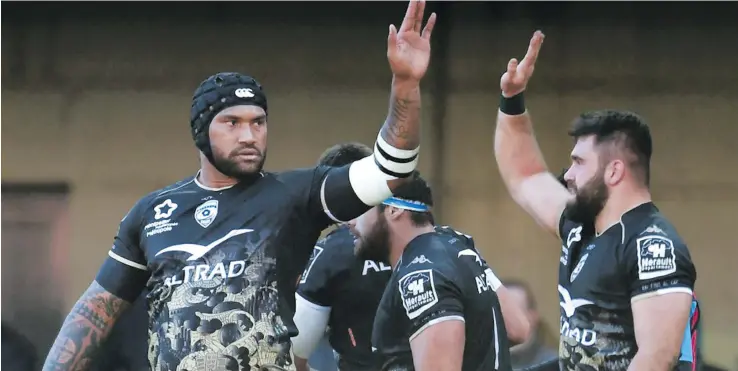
x=578, y=268
x=205, y=214
x=656, y=257
x=418, y=292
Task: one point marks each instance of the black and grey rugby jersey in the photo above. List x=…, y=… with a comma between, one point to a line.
x=599, y=278
x=440, y=277
x=221, y=265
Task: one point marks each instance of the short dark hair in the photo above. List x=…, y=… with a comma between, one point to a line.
x=416, y=189
x=626, y=131
x=513, y=284
x=344, y=154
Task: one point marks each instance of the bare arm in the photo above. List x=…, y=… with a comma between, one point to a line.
x=517, y=325
x=518, y=156
x=659, y=323
x=401, y=129
x=524, y=171
x=408, y=53
x=350, y=191
x=85, y=329
x=439, y=347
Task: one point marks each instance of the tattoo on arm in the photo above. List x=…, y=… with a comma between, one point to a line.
x=402, y=127
x=84, y=330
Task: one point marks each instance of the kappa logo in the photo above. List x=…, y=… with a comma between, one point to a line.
x=164, y=209
x=420, y=260
x=570, y=305
x=205, y=214
x=654, y=229
x=198, y=251
x=244, y=93
x=578, y=268
x=470, y=252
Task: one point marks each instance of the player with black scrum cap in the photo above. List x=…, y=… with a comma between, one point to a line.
x=439, y=310
x=220, y=252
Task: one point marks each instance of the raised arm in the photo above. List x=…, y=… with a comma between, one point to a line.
x=519, y=158
x=346, y=193
x=396, y=150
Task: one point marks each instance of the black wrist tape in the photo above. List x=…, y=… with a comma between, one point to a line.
x=512, y=106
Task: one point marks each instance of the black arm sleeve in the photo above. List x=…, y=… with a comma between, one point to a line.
x=124, y=273
x=325, y=193
x=334, y=196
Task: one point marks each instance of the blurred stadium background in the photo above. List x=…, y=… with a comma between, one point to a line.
x=96, y=97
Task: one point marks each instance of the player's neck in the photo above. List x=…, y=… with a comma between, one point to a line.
x=401, y=238
x=210, y=177
x=619, y=204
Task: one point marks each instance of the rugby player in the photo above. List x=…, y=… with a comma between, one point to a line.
x=220, y=251
x=439, y=310
x=338, y=291
x=626, y=278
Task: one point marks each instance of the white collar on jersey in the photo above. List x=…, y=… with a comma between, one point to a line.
x=197, y=182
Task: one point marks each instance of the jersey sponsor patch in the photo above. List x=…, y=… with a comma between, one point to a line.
x=418, y=292
x=317, y=250
x=656, y=257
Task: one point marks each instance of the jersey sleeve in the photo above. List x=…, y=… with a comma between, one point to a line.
x=429, y=294
x=326, y=194
x=658, y=262
x=124, y=273
x=318, y=281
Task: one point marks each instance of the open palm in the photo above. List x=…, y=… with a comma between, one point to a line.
x=408, y=50
x=515, y=79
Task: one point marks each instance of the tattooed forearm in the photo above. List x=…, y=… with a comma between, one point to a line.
x=402, y=127
x=84, y=330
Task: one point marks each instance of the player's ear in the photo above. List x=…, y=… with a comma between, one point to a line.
x=394, y=213
x=614, y=172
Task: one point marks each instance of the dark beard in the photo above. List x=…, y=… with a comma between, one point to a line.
x=375, y=245
x=588, y=202
x=230, y=169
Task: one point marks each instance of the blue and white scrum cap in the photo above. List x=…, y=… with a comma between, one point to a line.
x=406, y=204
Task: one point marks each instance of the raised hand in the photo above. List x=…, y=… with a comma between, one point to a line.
x=408, y=50
x=514, y=81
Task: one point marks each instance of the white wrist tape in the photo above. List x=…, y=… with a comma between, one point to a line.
x=394, y=161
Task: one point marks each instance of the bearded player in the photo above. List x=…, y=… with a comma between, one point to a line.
x=626, y=278
x=439, y=310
